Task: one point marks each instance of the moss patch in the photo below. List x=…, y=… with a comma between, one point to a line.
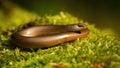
x=99, y=50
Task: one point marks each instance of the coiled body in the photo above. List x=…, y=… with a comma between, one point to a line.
x=48, y=35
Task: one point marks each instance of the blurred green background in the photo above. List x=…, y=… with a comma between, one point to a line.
x=102, y=13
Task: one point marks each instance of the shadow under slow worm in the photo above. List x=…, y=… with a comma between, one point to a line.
x=45, y=36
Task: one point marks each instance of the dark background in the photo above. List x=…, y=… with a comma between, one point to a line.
x=102, y=13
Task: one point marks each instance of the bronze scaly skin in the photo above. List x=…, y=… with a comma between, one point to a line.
x=45, y=36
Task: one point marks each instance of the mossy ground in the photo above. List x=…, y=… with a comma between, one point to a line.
x=99, y=50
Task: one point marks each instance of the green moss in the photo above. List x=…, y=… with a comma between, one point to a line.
x=100, y=49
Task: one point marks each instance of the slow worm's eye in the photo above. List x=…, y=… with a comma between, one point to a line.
x=81, y=25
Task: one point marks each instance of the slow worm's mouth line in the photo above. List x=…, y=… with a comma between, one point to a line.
x=48, y=35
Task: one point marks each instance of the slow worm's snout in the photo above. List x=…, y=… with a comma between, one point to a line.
x=48, y=35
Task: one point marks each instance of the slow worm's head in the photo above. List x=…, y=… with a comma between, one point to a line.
x=82, y=25
x=78, y=27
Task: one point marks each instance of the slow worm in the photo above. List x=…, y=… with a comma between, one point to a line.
x=45, y=36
